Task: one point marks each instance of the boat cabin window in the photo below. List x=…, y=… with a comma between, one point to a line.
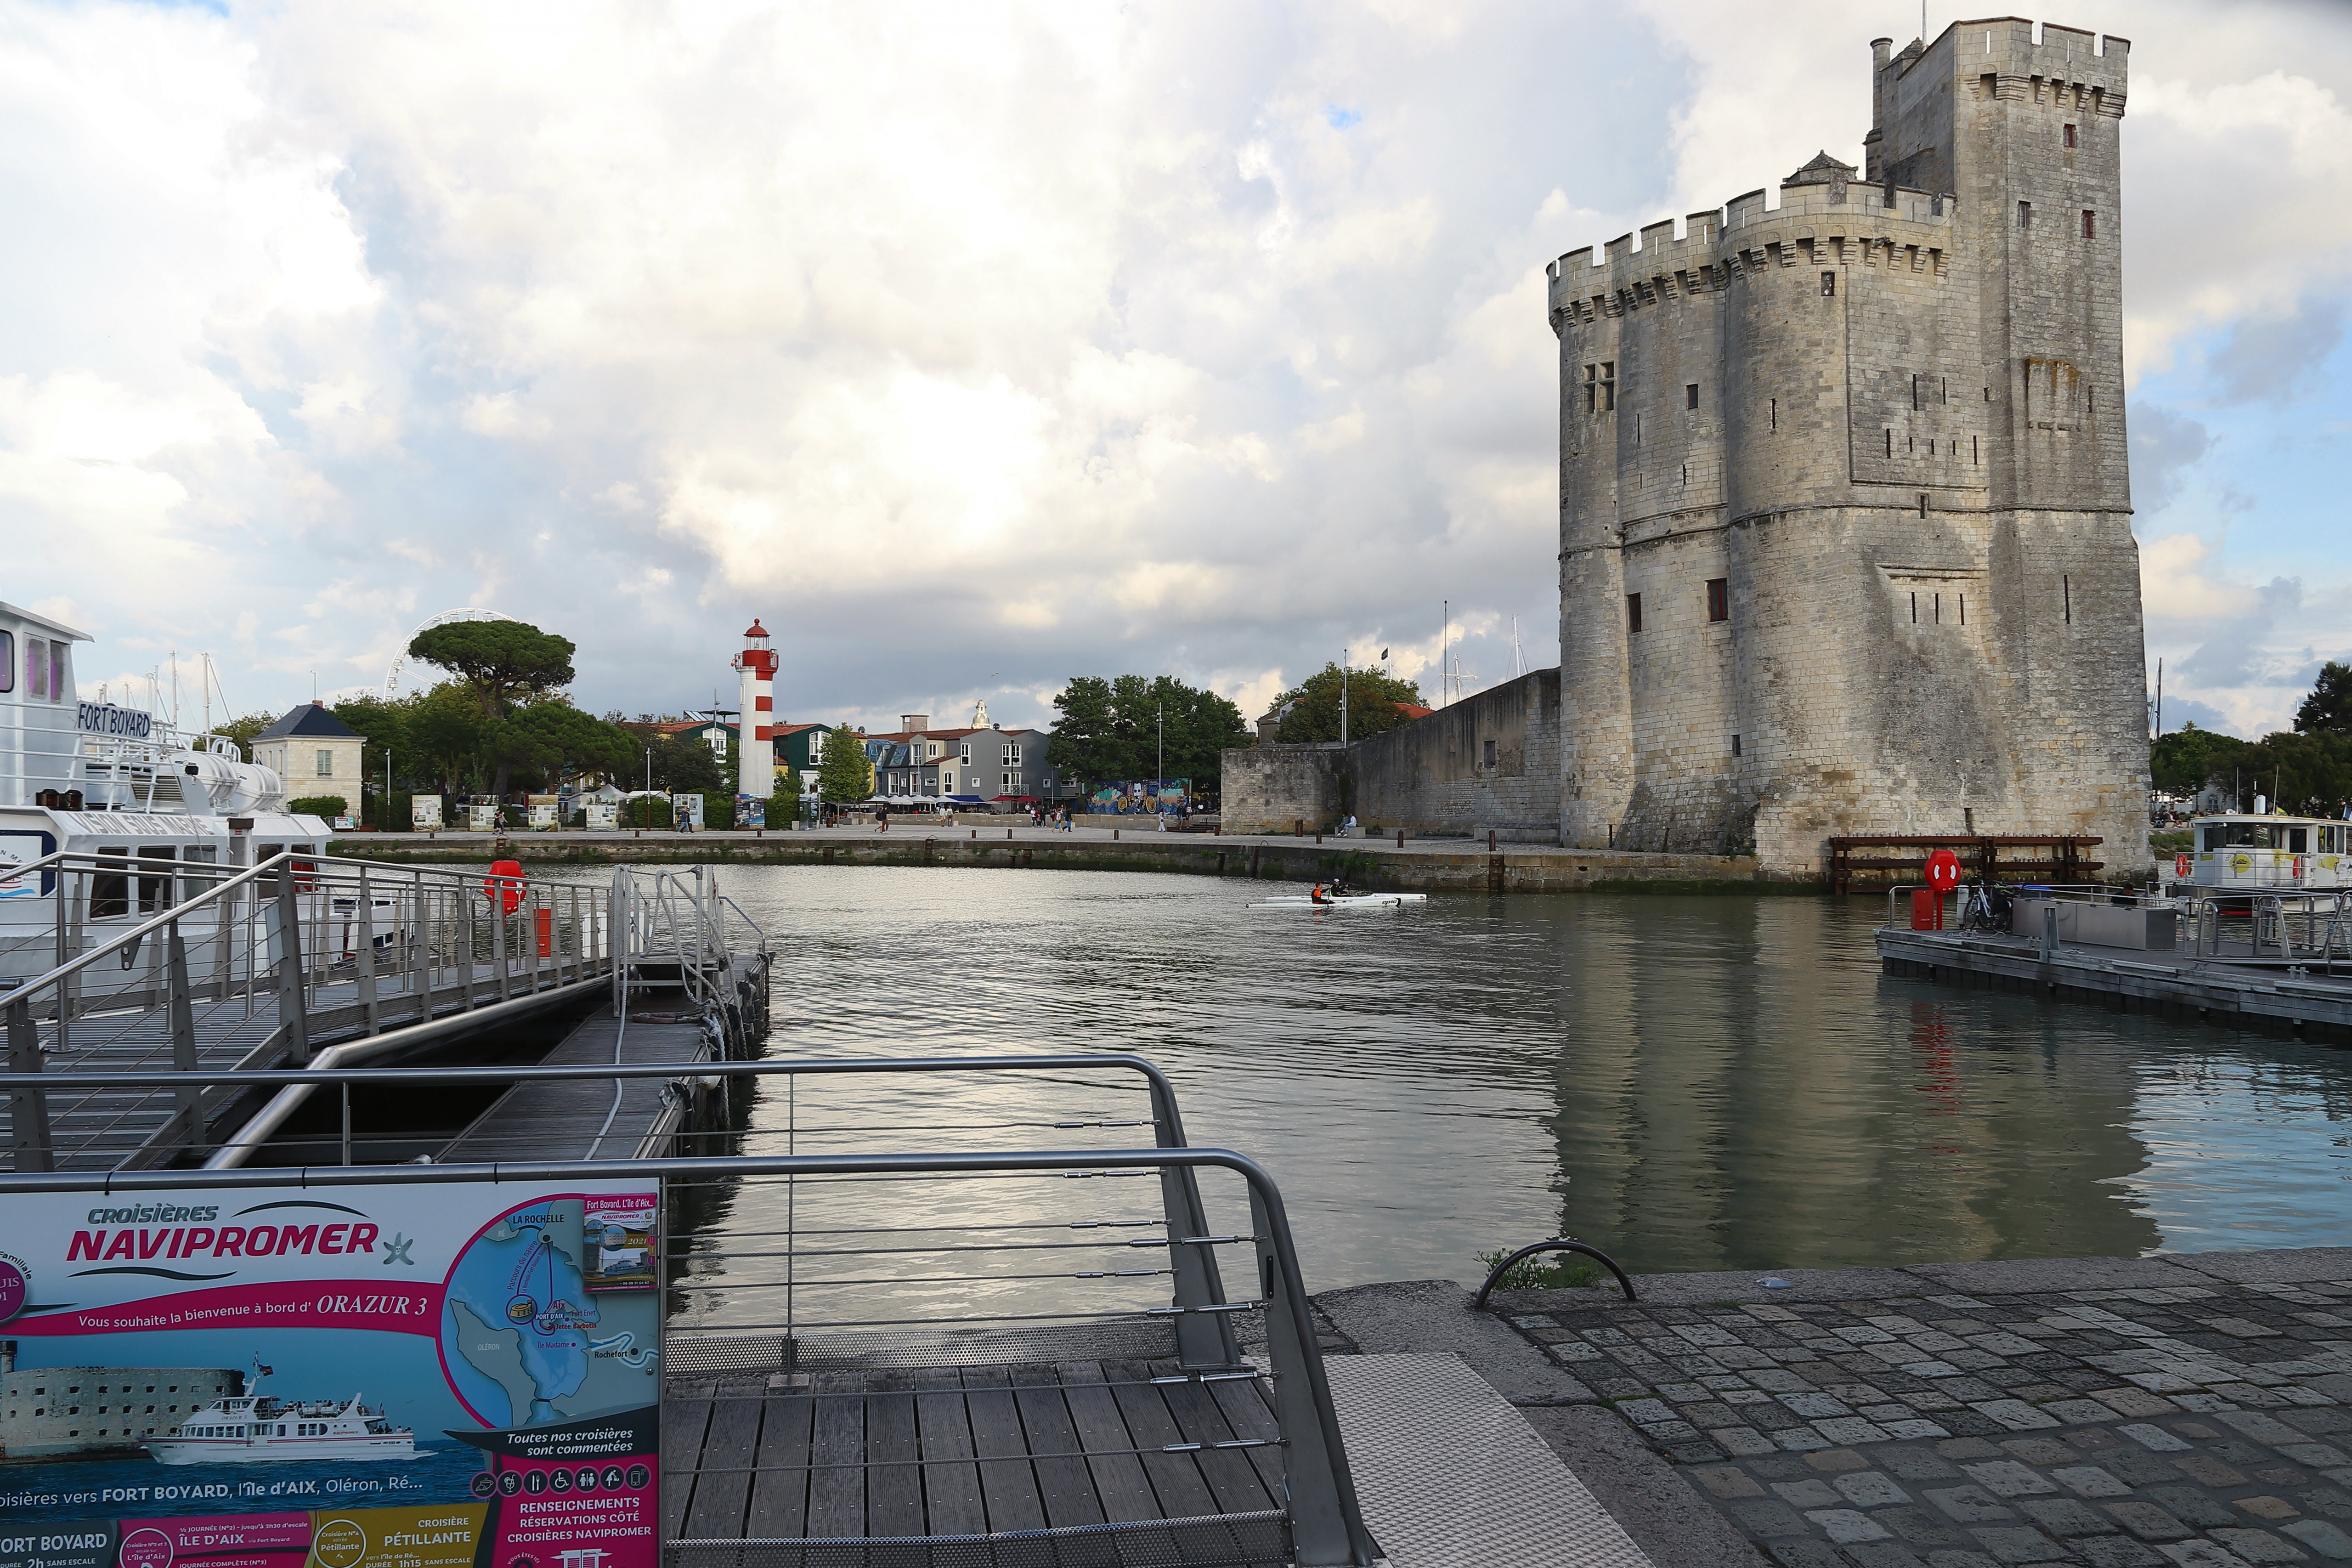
x=7, y=661
x=2241, y=836
x=2298, y=841
x=155, y=890
x=110, y=890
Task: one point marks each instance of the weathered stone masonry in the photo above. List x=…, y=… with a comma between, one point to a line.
x=1845, y=534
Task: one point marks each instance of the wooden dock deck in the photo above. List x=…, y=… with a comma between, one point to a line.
x=959, y=1452
x=577, y=1119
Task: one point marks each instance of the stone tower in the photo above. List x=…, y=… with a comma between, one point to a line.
x=1845, y=515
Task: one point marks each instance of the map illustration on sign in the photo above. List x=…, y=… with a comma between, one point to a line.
x=526, y=1343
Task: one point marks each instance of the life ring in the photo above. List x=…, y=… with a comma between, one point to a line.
x=2180, y=866
x=503, y=885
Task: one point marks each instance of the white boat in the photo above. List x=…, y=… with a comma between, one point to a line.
x=2244, y=853
x=1343, y=901
x=257, y=1431
x=103, y=779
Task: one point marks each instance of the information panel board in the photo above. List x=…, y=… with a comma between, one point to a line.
x=432, y=1375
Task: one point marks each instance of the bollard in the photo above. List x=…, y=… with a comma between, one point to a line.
x=1008, y=833
x=1297, y=828
x=1400, y=838
x=975, y=833
x=2049, y=931
x=1114, y=834
x=1490, y=841
x=1319, y=838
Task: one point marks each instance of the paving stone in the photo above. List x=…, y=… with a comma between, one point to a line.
x=2016, y=1544
x=1831, y=1459
x=1845, y=1524
x=2040, y=1450
x=2334, y=1503
x=2115, y=1551
x=2146, y=1519
x=2155, y=1437
x=2066, y=1517
x=1959, y=1560
x=1697, y=1451
x=1851, y=1429
x=1766, y=1518
x=2198, y=1507
x=2133, y=1402
x=1920, y=1527
x=1805, y=1552
x=1969, y=1504
x=2267, y=1508
x=1917, y=1464
x=2208, y=1470
x=1742, y=1441
x=2008, y=1479
x=2318, y=1423
x=2259, y=1545
x=1881, y=1554
x=2140, y=1467
x=2326, y=1539
x=1797, y=1439
x=1807, y=1494
x=2202, y=1554
x=1967, y=1448
x=1869, y=1489
x=1726, y=1480
x=2261, y=1428
x=2089, y=1480
x=2077, y=1412
x=2318, y=1456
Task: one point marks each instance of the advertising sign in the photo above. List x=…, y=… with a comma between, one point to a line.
x=751, y=811
x=1131, y=797
x=424, y=813
x=425, y=1376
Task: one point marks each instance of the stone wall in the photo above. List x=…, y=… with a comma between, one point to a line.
x=1266, y=788
x=1845, y=540
x=1488, y=761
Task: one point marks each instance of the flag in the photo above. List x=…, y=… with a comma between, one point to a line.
x=1385, y=654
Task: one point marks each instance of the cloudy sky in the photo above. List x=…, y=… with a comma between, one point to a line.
x=975, y=346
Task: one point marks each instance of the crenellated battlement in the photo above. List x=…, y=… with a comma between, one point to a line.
x=2004, y=57
x=1836, y=223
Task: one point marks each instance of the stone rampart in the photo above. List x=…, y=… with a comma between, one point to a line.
x=1488, y=763
x=1265, y=789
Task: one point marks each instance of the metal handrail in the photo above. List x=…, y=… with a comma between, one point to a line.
x=131, y=938
x=1326, y=1523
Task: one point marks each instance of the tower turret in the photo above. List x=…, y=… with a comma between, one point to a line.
x=755, y=773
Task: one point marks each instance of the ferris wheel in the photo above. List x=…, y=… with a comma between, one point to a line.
x=392, y=674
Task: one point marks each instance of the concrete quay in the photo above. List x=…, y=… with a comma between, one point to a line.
x=2241, y=992
x=1431, y=865
x=2120, y=1413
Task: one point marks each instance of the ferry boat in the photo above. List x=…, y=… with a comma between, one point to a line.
x=253, y=1430
x=112, y=780
x=2233, y=853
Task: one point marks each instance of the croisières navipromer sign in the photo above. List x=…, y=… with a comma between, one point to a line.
x=419, y=1376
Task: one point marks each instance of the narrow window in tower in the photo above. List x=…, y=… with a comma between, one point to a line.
x=1976, y=453
x=1634, y=611
x=1915, y=609
x=1719, y=598
x=1690, y=395
x=1939, y=609
x=2066, y=589
x=1608, y=387
x=2090, y=225
x=1915, y=395
x=1923, y=503
x=1686, y=478
x=1592, y=386
x=1964, y=609
x=1890, y=440
x=1829, y=282
x=2070, y=136
x=2025, y=215
x=1776, y=413
x=1735, y=746
x=1942, y=390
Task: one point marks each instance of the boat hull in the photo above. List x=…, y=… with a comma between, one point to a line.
x=1352, y=901
x=276, y=1450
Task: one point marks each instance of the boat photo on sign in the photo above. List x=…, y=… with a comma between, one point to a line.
x=421, y=1376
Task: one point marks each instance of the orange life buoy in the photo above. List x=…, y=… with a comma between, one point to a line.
x=2181, y=866
x=503, y=885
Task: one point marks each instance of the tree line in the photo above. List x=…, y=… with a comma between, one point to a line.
x=2305, y=771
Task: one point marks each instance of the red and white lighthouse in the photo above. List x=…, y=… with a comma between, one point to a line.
x=756, y=752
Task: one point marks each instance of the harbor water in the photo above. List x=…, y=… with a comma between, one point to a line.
x=1689, y=1082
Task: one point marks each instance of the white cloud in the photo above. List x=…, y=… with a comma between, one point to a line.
x=1005, y=337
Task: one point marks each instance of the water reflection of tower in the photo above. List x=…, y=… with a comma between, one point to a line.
x=1732, y=1093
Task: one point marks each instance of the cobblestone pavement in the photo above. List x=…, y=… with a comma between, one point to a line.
x=2203, y=1426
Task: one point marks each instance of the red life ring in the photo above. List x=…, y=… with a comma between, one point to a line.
x=1943, y=870
x=2180, y=866
x=503, y=885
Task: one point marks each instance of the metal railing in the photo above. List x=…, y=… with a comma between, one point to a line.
x=261, y=965
x=2292, y=928
x=727, y=1275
